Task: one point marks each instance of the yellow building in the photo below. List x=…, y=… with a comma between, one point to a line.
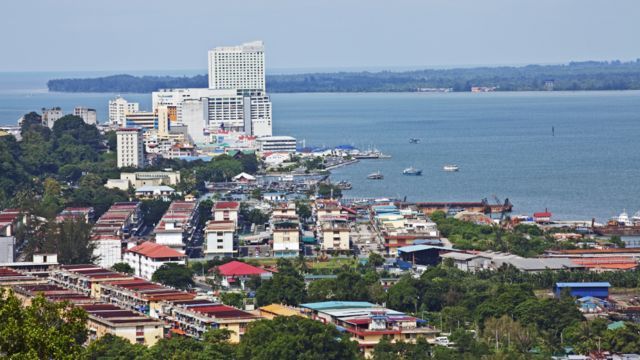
x=110, y=319
x=336, y=236
x=273, y=310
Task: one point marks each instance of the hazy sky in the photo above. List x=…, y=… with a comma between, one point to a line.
x=118, y=35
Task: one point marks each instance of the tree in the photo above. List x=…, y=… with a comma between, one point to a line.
x=303, y=209
x=234, y=299
x=214, y=346
x=399, y=350
x=174, y=275
x=153, y=210
x=114, y=348
x=42, y=330
x=375, y=260
x=294, y=337
x=329, y=190
x=70, y=240
x=122, y=267
x=29, y=120
x=286, y=286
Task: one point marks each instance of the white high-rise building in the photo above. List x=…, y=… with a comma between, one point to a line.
x=89, y=116
x=119, y=108
x=130, y=147
x=237, y=67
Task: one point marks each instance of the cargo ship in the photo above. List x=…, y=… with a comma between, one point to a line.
x=620, y=226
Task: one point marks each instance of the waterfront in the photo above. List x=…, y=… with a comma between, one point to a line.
x=502, y=142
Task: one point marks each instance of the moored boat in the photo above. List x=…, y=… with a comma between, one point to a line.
x=450, y=167
x=412, y=171
x=376, y=176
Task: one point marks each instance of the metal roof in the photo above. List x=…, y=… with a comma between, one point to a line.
x=415, y=248
x=583, y=284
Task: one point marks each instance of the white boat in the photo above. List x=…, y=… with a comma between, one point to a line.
x=450, y=167
x=623, y=218
x=412, y=171
x=376, y=176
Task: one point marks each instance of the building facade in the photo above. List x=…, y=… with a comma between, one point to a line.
x=119, y=108
x=237, y=67
x=50, y=116
x=130, y=148
x=277, y=144
x=219, y=239
x=89, y=116
x=148, y=257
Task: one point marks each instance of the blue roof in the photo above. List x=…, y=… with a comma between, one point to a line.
x=414, y=248
x=326, y=305
x=582, y=284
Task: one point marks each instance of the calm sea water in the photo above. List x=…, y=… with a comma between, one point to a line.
x=502, y=142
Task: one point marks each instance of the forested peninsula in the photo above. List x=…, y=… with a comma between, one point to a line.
x=589, y=75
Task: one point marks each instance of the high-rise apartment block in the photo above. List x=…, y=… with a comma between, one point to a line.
x=237, y=67
x=130, y=147
x=50, y=116
x=119, y=108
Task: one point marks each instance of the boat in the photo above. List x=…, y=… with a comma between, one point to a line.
x=412, y=171
x=414, y=141
x=376, y=176
x=620, y=226
x=450, y=168
x=344, y=185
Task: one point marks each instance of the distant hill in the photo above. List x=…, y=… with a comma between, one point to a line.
x=589, y=75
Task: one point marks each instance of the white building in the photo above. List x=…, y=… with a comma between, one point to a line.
x=226, y=211
x=50, y=116
x=130, y=148
x=277, y=144
x=148, y=257
x=237, y=67
x=207, y=110
x=89, y=116
x=219, y=239
x=107, y=249
x=119, y=108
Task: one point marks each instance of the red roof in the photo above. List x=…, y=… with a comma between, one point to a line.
x=237, y=268
x=544, y=214
x=155, y=251
x=227, y=205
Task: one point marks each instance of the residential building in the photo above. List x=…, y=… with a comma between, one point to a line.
x=77, y=213
x=285, y=236
x=226, y=211
x=89, y=116
x=219, y=239
x=277, y=144
x=10, y=277
x=274, y=310
x=237, y=67
x=10, y=220
x=195, y=116
x=153, y=178
x=107, y=249
x=141, y=295
x=368, y=323
x=130, y=148
x=84, y=278
x=195, y=317
x=177, y=225
x=119, y=108
x=235, y=273
x=110, y=319
x=336, y=236
x=50, y=116
x=118, y=223
x=150, y=192
x=148, y=257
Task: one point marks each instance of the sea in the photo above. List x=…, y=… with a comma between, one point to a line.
x=575, y=154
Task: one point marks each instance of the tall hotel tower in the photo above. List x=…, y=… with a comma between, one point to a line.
x=237, y=67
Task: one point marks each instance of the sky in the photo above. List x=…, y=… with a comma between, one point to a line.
x=121, y=35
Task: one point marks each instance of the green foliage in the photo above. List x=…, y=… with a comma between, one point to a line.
x=122, y=267
x=327, y=190
x=254, y=216
x=294, y=337
x=234, y=299
x=42, y=330
x=303, y=210
x=399, y=350
x=174, y=275
x=114, y=348
x=69, y=239
x=286, y=286
x=153, y=210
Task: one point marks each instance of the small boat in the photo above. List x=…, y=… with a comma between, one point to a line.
x=412, y=171
x=414, y=141
x=344, y=185
x=450, y=168
x=376, y=176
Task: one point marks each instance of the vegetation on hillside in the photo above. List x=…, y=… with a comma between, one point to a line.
x=589, y=75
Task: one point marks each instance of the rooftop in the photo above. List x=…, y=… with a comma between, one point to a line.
x=155, y=251
x=237, y=268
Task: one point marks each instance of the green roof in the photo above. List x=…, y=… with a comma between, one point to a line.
x=616, y=325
